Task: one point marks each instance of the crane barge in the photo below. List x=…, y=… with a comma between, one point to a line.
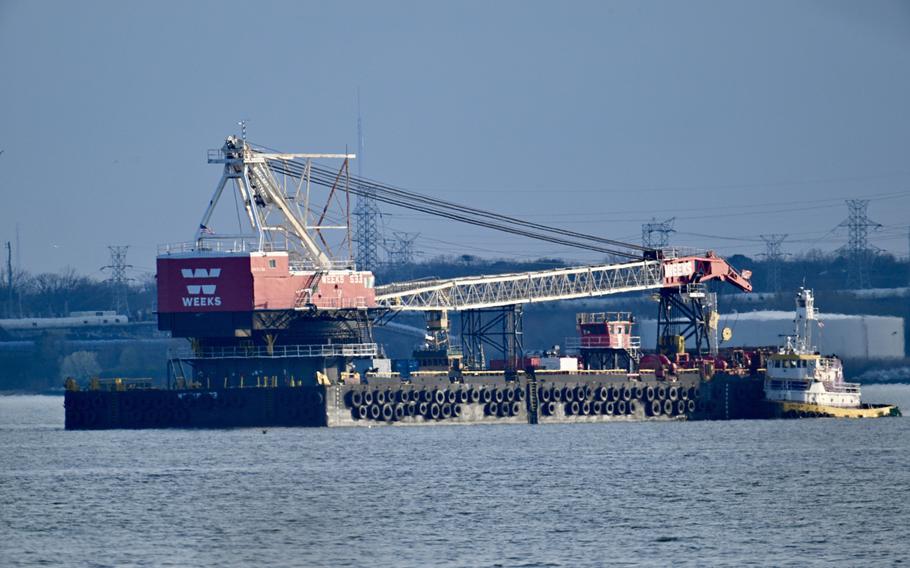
x=279, y=321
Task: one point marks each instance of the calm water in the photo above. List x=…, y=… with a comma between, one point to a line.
x=723, y=493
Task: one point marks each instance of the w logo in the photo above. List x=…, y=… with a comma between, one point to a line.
x=206, y=289
x=200, y=272
x=200, y=289
x=201, y=295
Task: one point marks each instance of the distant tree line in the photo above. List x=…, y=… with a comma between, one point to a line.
x=822, y=271
x=56, y=294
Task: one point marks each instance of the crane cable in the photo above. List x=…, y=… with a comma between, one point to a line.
x=417, y=202
x=281, y=167
x=373, y=185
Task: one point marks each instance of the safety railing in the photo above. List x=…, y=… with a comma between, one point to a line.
x=278, y=351
x=681, y=252
x=603, y=342
x=603, y=317
x=309, y=266
x=853, y=388
x=226, y=244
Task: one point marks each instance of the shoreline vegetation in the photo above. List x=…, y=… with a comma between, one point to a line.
x=141, y=351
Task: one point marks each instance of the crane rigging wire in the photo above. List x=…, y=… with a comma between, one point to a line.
x=453, y=211
x=372, y=185
x=283, y=167
x=375, y=187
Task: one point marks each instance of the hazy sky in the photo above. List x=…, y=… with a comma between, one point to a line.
x=737, y=118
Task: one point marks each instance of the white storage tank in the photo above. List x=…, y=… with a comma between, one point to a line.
x=847, y=336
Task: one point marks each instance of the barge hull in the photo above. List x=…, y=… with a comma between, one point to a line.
x=554, y=399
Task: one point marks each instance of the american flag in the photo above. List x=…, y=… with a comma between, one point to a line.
x=205, y=230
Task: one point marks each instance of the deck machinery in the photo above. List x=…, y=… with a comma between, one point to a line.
x=279, y=305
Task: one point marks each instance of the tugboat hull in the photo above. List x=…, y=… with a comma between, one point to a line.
x=803, y=410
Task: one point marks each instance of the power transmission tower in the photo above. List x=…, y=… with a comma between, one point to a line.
x=366, y=233
x=118, y=279
x=656, y=234
x=9, y=279
x=401, y=250
x=774, y=256
x=857, y=249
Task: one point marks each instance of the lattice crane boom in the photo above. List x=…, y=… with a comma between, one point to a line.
x=478, y=292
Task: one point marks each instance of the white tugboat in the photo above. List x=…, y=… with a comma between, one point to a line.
x=801, y=382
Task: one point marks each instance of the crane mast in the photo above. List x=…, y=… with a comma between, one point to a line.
x=274, y=221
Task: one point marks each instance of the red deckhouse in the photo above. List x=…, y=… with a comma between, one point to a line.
x=610, y=330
